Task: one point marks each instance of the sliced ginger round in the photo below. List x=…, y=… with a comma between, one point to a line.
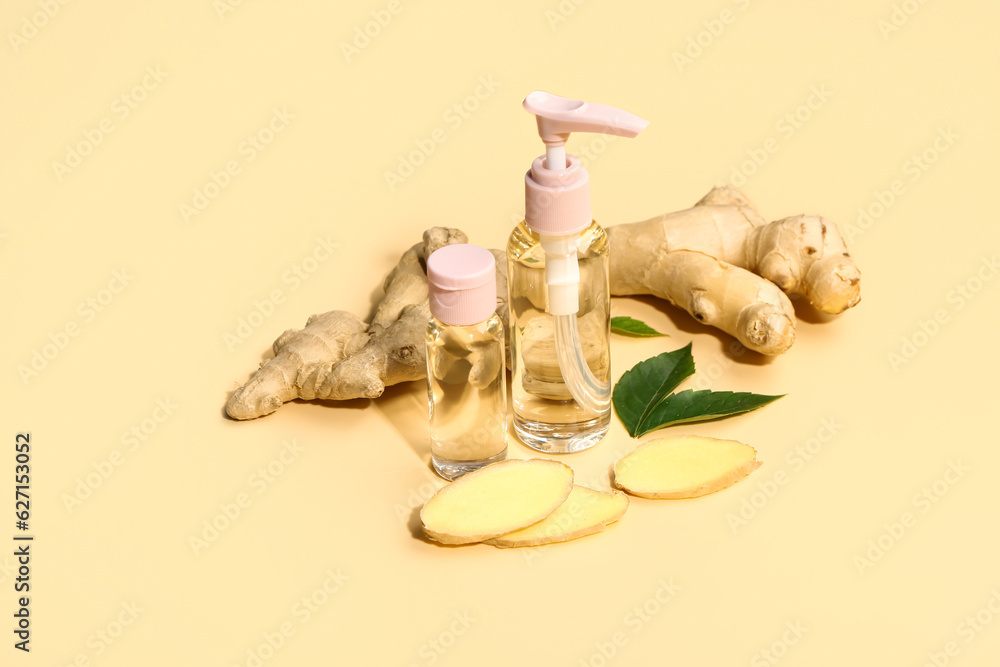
x=585, y=511
x=497, y=499
x=684, y=466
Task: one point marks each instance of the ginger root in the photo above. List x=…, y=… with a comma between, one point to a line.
x=719, y=260
x=729, y=268
x=337, y=356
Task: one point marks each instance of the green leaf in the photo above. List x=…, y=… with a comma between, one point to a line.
x=696, y=406
x=644, y=402
x=629, y=327
x=649, y=382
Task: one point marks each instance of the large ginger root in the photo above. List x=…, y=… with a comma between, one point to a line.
x=337, y=356
x=724, y=264
x=719, y=260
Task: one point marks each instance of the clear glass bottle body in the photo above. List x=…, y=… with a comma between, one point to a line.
x=466, y=395
x=546, y=417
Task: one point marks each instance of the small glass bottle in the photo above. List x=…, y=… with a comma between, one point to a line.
x=466, y=374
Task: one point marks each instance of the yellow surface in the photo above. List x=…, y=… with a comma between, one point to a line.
x=150, y=315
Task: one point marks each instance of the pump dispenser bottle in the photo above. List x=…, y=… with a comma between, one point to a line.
x=466, y=374
x=560, y=301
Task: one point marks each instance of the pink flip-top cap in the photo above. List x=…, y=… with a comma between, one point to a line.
x=462, y=284
x=557, y=201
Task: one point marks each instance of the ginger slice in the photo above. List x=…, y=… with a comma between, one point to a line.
x=497, y=499
x=585, y=512
x=685, y=466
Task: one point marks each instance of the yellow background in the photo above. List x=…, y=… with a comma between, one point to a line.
x=826, y=553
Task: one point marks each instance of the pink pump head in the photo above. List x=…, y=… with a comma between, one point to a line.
x=462, y=284
x=559, y=116
x=557, y=188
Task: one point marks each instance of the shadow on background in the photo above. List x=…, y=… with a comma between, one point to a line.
x=405, y=407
